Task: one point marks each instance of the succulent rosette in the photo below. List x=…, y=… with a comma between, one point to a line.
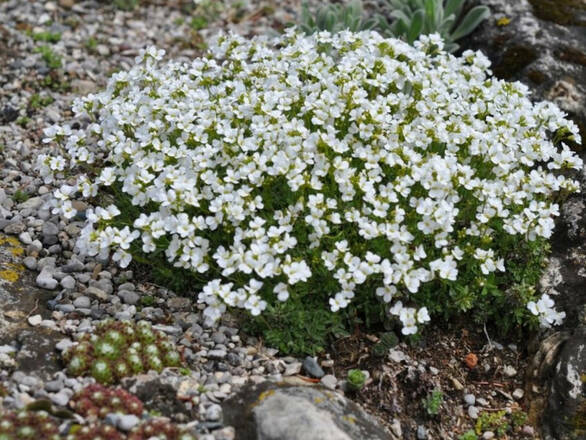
x=119, y=349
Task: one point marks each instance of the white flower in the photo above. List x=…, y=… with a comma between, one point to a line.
x=272, y=162
x=544, y=309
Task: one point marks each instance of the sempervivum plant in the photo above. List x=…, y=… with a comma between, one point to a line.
x=161, y=429
x=119, y=349
x=96, y=401
x=307, y=173
x=28, y=425
x=94, y=432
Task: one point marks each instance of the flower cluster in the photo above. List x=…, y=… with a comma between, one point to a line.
x=119, y=349
x=269, y=163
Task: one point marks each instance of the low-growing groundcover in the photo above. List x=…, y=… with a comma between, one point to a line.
x=304, y=176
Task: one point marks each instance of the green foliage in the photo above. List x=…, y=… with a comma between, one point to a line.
x=126, y=5
x=20, y=196
x=198, y=22
x=23, y=121
x=469, y=435
x=46, y=36
x=119, y=349
x=356, y=380
x=51, y=58
x=91, y=44
x=493, y=421
x=37, y=101
x=412, y=18
x=297, y=329
x=387, y=341
x=335, y=17
x=433, y=402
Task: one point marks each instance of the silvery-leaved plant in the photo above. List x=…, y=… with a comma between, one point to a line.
x=278, y=171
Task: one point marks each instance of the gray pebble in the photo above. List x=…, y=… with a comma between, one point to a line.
x=470, y=399
x=129, y=297
x=83, y=302
x=68, y=282
x=473, y=412
x=312, y=368
x=421, y=432
x=214, y=413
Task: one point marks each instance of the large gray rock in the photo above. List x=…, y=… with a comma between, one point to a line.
x=541, y=43
x=565, y=417
x=275, y=412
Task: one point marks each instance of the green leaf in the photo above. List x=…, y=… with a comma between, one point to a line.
x=416, y=27
x=453, y=7
x=476, y=16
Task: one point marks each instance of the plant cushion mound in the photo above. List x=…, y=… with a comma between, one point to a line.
x=117, y=349
x=322, y=173
x=28, y=425
x=96, y=401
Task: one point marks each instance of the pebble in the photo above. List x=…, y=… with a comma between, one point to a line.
x=68, y=282
x=213, y=413
x=329, y=381
x=518, y=394
x=312, y=368
x=35, y=320
x=129, y=297
x=60, y=398
x=488, y=435
x=397, y=355
x=82, y=302
x=473, y=412
x=126, y=422
x=509, y=371
x=421, y=432
x=46, y=281
x=470, y=399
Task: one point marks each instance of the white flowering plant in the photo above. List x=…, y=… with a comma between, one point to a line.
x=302, y=176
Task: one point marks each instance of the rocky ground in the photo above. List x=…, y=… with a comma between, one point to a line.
x=53, y=51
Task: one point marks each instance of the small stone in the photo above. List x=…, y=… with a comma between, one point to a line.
x=68, y=282
x=396, y=428
x=63, y=344
x=127, y=421
x=518, y=394
x=35, y=320
x=470, y=399
x=488, y=435
x=421, y=432
x=329, y=381
x=68, y=4
x=97, y=293
x=397, y=355
x=129, y=297
x=83, y=86
x=50, y=228
x=217, y=354
x=509, y=371
x=179, y=303
x=45, y=280
x=54, y=385
x=312, y=368
x=456, y=384
x=60, y=398
x=214, y=413
x=14, y=228
x=30, y=263
x=83, y=302
x=482, y=402
x=528, y=431
x=473, y=412
x=292, y=369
